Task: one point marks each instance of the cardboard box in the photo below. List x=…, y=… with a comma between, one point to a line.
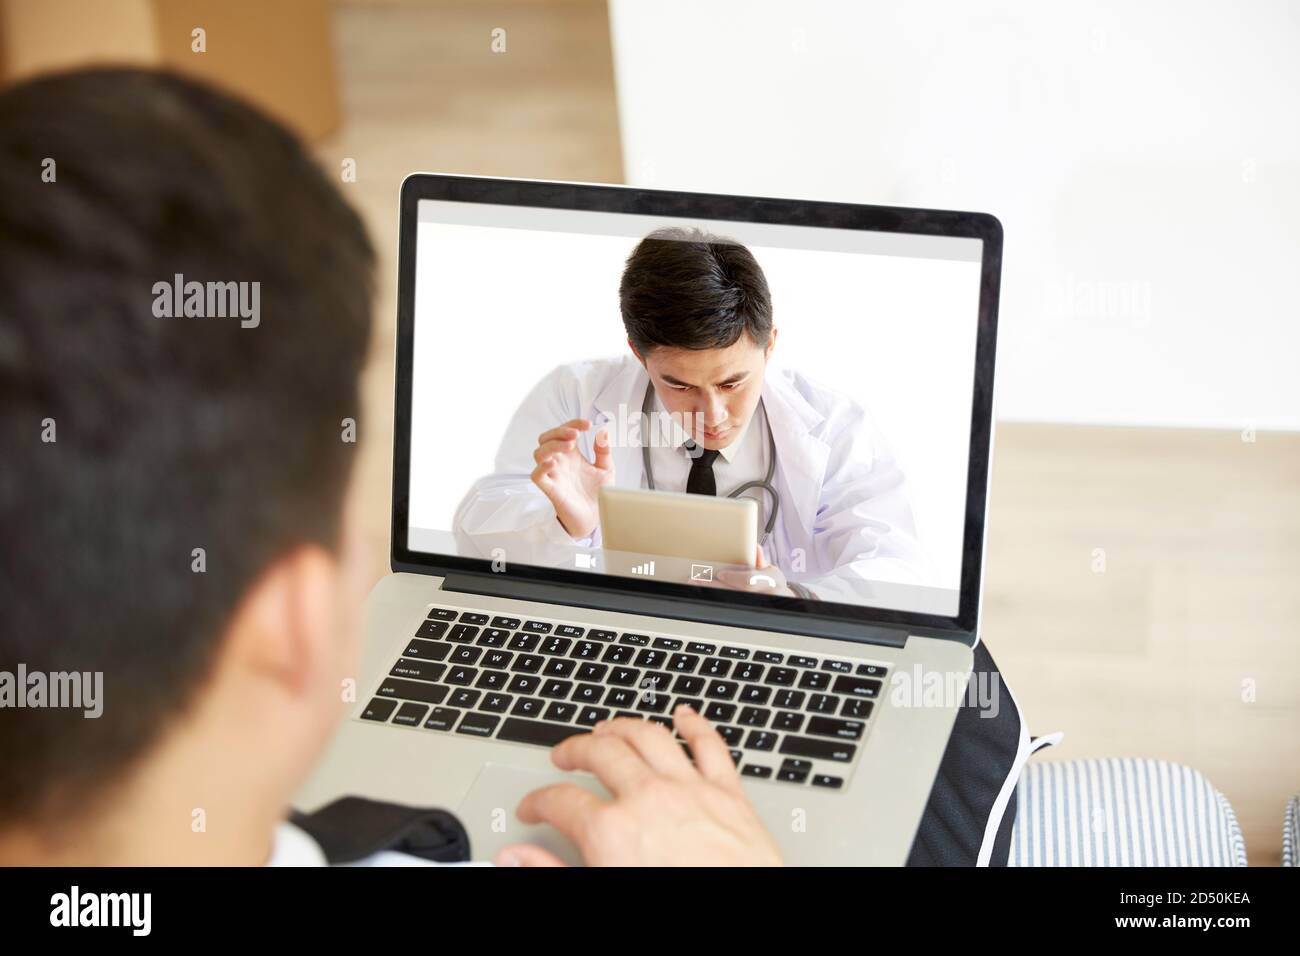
x=279, y=55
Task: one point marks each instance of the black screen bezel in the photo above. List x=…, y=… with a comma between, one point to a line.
x=706, y=206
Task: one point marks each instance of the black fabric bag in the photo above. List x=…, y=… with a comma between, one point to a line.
x=353, y=828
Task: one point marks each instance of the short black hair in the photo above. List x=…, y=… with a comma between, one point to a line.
x=170, y=434
x=685, y=288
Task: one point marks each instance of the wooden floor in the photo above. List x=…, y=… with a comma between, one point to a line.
x=1141, y=584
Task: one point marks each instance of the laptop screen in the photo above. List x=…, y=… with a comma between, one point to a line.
x=826, y=374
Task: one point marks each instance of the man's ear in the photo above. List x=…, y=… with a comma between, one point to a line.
x=283, y=629
x=771, y=344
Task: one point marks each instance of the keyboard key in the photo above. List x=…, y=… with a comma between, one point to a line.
x=591, y=716
x=478, y=725
x=640, y=640
x=790, y=699
x=417, y=669
x=683, y=663
x=379, y=709
x=736, y=755
x=717, y=711
x=462, y=634
x=493, y=637
x=668, y=643
x=557, y=689
x=537, y=627
x=694, y=703
x=527, y=707
x=739, y=653
x=768, y=657
x=857, y=687
x=830, y=727
x=871, y=670
x=624, y=697
x=520, y=731
x=528, y=663
x=856, y=707
x=760, y=740
x=629, y=713
x=473, y=617
x=715, y=667
x=791, y=774
x=561, y=710
x=697, y=647
x=747, y=671
x=586, y=651
x=496, y=703
x=592, y=672
x=556, y=645
x=442, y=614
x=815, y=680
x=787, y=720
x=721, y=690
x=650, y=658
x=781, y=676
x=822, y=704
x=596, y=635
x=569, y=630
x=410, y=714
x=524, y=642
x=794, y=661
x=826, y=780
x=466, y=655
x=432, y=630
x=688, y=685
x=754, y=717
x=559, y=667
x=842, y=667
x=754, y=770
x=660, y=719
x=497, y=659
x=618, y=654
x=465, y=698
x=441, y=718
x=821, y=749
x=653, y=703
x=623, y=676
x=412, y=690
x=524, y=684
x=588, y=694
x=427, y=650
x=492, y=680
x=754, y=694
x=655, y=680
x=732, y=735
x=509, y=623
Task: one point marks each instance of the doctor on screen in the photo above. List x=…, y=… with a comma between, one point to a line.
x=833, y=507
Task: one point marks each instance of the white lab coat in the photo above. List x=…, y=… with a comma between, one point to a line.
x=845, y=516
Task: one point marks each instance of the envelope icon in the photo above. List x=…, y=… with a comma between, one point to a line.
x=701, y=572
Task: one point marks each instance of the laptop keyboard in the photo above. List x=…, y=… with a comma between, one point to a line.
x=785, y=717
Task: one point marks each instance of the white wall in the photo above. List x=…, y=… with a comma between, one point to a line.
x=1144, y=159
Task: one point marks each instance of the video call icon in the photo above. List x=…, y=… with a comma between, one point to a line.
x=584, y=561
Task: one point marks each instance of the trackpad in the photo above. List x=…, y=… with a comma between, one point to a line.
x=488, y=810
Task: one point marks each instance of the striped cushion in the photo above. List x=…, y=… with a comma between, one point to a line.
x=1122, y=812
x=1291, y=833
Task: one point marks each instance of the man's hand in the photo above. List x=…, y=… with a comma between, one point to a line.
x=762, y=578
x=569, y=479
x=666, y=811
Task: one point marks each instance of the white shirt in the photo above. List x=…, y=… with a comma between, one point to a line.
x=743, y=460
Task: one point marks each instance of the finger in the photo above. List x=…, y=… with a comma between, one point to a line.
x=572, y=425
x=654, y=742
x=525, y=854
x=542, y=476
x=759, y=560
x=604, y=456
x=565, y=806
x=547, y=450
x=611, y=759
x=712, y=758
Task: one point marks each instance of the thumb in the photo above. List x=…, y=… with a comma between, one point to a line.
x=525, y=854
x=759, y=560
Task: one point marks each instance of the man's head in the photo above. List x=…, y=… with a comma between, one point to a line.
x=698, y=315
x=172, y=487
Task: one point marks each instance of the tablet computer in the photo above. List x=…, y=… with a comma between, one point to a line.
x=674, y=524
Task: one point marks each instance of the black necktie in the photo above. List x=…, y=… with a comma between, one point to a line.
x=701, y=481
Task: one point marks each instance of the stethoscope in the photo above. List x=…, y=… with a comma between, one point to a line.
x=766, y=484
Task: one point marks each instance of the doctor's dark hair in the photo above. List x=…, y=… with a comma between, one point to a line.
x=685, y=288
x=130, y=441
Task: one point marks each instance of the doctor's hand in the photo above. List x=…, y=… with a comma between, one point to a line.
x=666, y=810
x=569, y=479
x=762, y=578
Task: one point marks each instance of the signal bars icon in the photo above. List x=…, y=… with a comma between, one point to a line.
x=647, y=568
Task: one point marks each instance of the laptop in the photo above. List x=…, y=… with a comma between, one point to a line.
x=835, y=671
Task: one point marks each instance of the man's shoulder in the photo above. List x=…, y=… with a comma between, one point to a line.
x=835, y=407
